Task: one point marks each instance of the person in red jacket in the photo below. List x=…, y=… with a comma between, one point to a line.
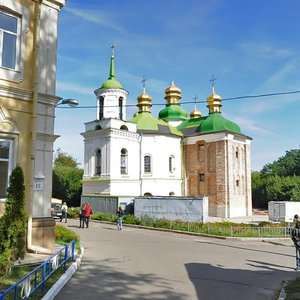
x=88, y=212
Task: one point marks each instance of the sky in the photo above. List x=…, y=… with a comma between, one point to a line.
x=252, y=47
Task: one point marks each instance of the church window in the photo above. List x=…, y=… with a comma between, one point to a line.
x=147, y=164
x=98, y=127
x=121, y=108
x=202, y=177
x=237, y=182
x=171, y=194
x=123, y=127
x=171, y=162
x=5, y=165
x=98, y=162
x=9, y=32
x=101, y=107
x=236, y=154
x=124, y=161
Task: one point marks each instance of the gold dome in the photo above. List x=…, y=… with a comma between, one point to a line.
x=173, y=94
x=144, y=102
x=195, y=113
x=214, y=102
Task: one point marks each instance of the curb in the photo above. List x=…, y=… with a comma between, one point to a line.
x=282, y=295
x=56, y=288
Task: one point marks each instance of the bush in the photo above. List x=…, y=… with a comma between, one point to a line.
x=73, y=212
x=63, y=234
x=13, y=222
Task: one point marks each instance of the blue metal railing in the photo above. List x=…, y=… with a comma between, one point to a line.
x=38, y=277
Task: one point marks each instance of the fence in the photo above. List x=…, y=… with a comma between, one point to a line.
x=38, y=277
x=231, y=231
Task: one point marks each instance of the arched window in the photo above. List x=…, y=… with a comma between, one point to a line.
x=147, y=164
x=147, y=194
x=101, y=107
x=98, y=127
x=171, y=164
x=121, y=108
x=124, y=161
x=98, y=162
x=123, y=127
x=171, y=194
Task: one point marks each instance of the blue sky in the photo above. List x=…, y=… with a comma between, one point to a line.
x=251, y=46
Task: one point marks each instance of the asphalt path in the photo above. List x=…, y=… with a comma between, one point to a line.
x=145, y=264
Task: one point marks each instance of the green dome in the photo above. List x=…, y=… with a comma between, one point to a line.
x=173, y=112
x=146, y=123
x=111, y=84
x=216, y=122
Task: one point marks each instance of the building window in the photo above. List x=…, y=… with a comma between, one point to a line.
x=202, y=177
x=5, y=150
x=236, y=154
x=98, y=162
x=171, y=162
x=124, y=161
x=237, y=182
x=121, y=108
x=8, y=40
x=101, y=107
x=147, y=164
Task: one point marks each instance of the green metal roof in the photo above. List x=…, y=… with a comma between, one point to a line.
x=146, y=123
x=209, y=124
x=173, y=112
x=112, y=83
x=216, y=122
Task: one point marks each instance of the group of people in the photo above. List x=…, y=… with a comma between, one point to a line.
x=85, y=215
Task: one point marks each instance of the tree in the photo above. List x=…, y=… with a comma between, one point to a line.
x=13, y=222
x=67, y=179
x=62, y=159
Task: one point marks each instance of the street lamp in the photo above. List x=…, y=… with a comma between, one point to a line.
x=70, y=102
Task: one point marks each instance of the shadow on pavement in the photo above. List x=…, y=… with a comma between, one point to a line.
x=213, y=282
x=98, y=281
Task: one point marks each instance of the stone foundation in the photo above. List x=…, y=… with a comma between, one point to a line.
x=43, y=232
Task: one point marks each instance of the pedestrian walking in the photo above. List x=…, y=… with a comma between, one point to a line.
x=64, y=212
x=120, y=214
x=82, y=214
x=296, y=239
x=88, y=212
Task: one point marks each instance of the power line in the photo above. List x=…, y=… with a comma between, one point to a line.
x=194, y=101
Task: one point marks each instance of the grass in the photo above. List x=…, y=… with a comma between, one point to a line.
x=63, y=237
x=292, y=289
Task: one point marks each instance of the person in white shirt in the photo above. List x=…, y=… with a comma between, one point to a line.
x=64, y=212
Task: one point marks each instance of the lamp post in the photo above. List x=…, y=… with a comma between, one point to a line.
x=70, y=102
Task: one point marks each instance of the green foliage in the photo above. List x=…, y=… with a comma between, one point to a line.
x=288, y=165
x=64, y=234
x=67, y=184
x=131, y=219
x=62, y=159
x=277, y=181
x=73, y=212
x=13, y=222
x=100, y=216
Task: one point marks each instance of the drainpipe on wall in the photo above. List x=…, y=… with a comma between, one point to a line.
x=182, y=168
x=140, y=163
x=30, y=246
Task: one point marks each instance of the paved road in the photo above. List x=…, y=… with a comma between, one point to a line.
x=144, y=264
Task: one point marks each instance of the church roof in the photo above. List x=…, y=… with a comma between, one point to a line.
x=214, y=122
x=112, y=82
x=173, y=111
x=146, y=123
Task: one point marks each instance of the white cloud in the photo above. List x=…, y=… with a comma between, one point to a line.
x=74, y=88
x=95, y=17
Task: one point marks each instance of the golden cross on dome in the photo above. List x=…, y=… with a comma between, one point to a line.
x=195, y=98
x=113, y=46
x=213, y=79
x=144, y=82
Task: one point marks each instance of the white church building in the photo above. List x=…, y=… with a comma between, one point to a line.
x=172, y=155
